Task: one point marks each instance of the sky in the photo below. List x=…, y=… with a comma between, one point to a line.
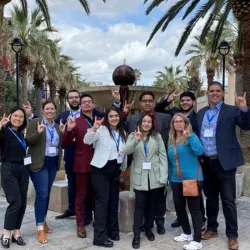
x=114, y=31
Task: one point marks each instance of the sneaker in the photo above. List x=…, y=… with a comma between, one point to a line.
x=183, y=237
x=193, y=245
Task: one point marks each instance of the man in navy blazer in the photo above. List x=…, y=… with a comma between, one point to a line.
x=217, y=131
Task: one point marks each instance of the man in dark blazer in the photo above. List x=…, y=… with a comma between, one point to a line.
x=162, y=122
x=187, y=101
x=217, y=131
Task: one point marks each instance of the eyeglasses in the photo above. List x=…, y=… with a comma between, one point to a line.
x=87, y=102
x=178, y=121
x=147, y=101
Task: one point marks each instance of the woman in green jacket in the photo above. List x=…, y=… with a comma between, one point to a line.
x=148, y=173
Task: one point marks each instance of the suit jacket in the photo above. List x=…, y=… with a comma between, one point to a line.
x=163, y=123
x=157, y=155
x=228, y=147
x=37, y=144
x=83, y=152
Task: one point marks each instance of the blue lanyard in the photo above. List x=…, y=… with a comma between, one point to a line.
x=51, y=132
x=23, y=142
x=89, y=124
x=117, y=141
x=145, y=149
x=74, y=115
x=212, y=117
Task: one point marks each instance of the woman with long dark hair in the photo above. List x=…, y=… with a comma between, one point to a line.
x=148, y=174
x=14, y=173
x=108, y=160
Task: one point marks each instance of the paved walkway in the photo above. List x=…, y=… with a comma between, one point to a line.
x=64, y=233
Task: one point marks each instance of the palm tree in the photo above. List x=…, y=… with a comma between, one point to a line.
x=213, y=8
x=137, y=76
x=171, y=78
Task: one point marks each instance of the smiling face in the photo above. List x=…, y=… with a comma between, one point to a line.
x=74, y=100
x=146, y=124
x=179, y=124
x=215, y=94
x=147, y=103
x=17, y=119
x=113, y=119
x=186, y=103
x=87, y=104
x=49, y=111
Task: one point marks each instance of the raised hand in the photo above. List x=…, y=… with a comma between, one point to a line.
x=186, y=132
x=62, y=126
x=71, y=123
x=5, y=120
x=27, y=107
x=40, y=127
x=173, y=96
x=138, y=134
x=127, y=107
x=240, y=101
x=97, y=123
x=116, y=95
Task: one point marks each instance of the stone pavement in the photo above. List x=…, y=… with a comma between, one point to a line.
x=64, y=233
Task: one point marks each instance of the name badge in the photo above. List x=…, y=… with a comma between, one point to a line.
x=27, y=160
x=52, y=150
x=146, y=165
x=120, y=157
x=208, y=132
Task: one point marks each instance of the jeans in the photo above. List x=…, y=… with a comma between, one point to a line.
x=42, y=181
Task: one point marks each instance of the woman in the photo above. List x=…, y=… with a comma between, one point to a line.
x=148, y=174
x=43, y=136
x=14, y=174
x=183, y=151
x=109, y=140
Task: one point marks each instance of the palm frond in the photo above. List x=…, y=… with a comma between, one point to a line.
x=154, y=4
x=24, y=6
x=85, y=5
x=42, y=4
x=190, y=8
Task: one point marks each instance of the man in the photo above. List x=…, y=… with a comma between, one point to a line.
x=75, y=130
x=222, y=155
x=162, y=122
x=73, y=99
x=187, y=101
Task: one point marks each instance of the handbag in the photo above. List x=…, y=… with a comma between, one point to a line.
x=190, y=187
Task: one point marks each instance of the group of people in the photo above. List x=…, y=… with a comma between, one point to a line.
x=166, y=149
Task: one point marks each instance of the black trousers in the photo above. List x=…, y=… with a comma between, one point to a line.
x=218, y=181
x=194, y=208
x=106, y=186
x=160, y=207
x=145, y=202
x=15, y=182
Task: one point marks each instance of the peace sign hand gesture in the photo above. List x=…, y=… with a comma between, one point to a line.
x=138, y=134
x=127, y=107
x=27, y=107
x=240, y=101
x=62, y=126
x=97, y=124
x=40, y=127
x=173, y=96
x=4, y=121
x=71, y=123
x=116, y=95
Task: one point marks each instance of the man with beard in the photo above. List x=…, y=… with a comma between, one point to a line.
x=73, y=99
x=187, y=100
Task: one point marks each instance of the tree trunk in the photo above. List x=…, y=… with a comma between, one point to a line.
x=24, y=90
x=62, y=104
x=210, y=75
x=52, y=89
x=238, y=60
x=38, y=101
x=2, y=86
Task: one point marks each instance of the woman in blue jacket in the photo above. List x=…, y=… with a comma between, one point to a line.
x=183, y=151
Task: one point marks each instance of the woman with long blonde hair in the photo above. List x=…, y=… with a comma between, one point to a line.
x=183, y=151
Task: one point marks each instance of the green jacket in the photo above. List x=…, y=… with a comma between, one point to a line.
x=158, y=174
x=37, y=144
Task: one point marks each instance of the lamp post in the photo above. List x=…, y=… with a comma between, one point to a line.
x=17, y=46
x=224, y=49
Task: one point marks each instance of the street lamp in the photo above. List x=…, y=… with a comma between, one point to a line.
x=17, y=46
x=224, y=49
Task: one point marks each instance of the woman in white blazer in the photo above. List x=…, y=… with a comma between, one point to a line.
x=108, y=160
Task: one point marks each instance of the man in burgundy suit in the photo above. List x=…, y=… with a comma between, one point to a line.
x=76, y=130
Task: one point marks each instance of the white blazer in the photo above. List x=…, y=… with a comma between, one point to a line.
x=102, y=142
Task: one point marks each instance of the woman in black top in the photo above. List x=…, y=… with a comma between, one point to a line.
x=14, y=173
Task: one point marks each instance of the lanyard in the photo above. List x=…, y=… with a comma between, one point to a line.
x=51, y=132
x=145, y=149
x=89, y=124
x=117, y=141
x=212, y=117
x=74, y=115
x=23, y=142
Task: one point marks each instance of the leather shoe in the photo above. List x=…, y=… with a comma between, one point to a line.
x=176, y=223
x=19, y=241
x=81, y=232
x=161, y=229
x=136, y=242
x=107, y=243
x=233, y=244
x=115, y=237
x=149, y=234
x=5, y=242
x=66, y=214
x=208, y=235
